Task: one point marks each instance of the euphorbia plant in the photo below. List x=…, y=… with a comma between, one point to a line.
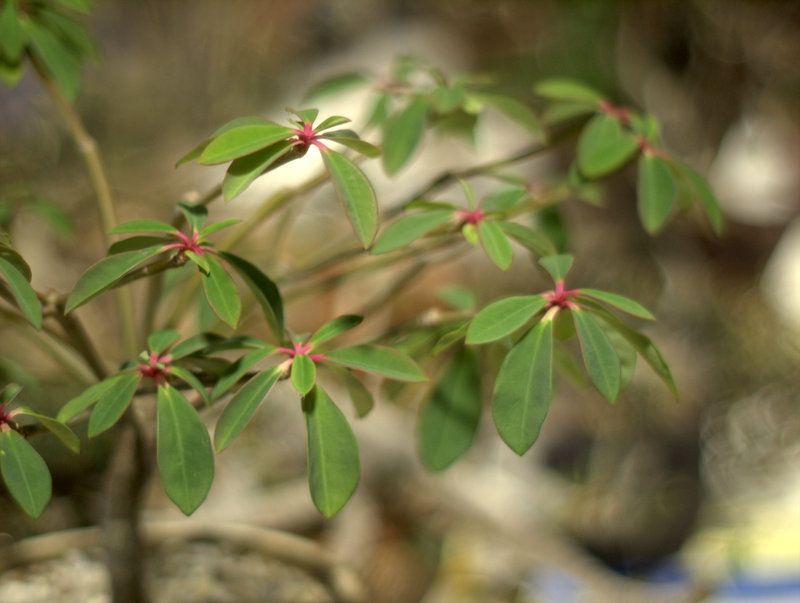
x=532, y=331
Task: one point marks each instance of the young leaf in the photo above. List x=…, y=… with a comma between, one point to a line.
x=334, y=328
x=355, y=191
x=189, y=379
x=106, y=272
x=599, y=356
x=377, y=359
x=408, y=229
x=185, y=456
x=402, y=134
x=524, y=388
x=450, y=418
x=242, y=407
x=243, y=140
x=239, y=369
x=567, y=90
x=24, y=295
x=57, y=428
x=112, y=404
x=244, y=170
x=557, y=266
x=305, y=115
x=304, y=374
x=332, y=122
x=195, y=214
x=333, y=465
x=201, y=261
x=88, y=397
x=532, y=240
x=514, y=110
x=360, y=396
x=495, y=243
x=143, y=226
x=603, y=146
x=656, y=192
x=159, y=341
x=217, y=226
x=263, y=289
x=221, y=293
x=620, y=302
x=352, y=141
x=503, y=317
x=25, y=473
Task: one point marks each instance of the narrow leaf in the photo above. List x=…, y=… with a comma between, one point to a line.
x=106, y=272
x=143, y=226
x=410, y=228
x=503, y=317
x=221, y=293
x=334, y=328
x=620, y=302
x=505, y=200
x=242, y=407
x=192, y=381
x=380, y=360
x=514, y=110
x=239, y=369
x=524, y=388
x=217, y=226
x=599, y=356
x=331, y=122
x=185, y=456
x=54, y=426
x=243, y=140
x=304, y=374
x=495, y=243
x=353, y=142
x=402, y=135
x=333, y=464
x=25, y=473
x=112, y=404
x=244, y=170
x=701, y=191
x=23, y=293
x=159, y=341
x=656, y=192
x=603, y=146
x=449, y=420
x=201, y=261
x=88, y=397
x=355, y=192
x=532, y=240
x=360, y=396
x=264, y=290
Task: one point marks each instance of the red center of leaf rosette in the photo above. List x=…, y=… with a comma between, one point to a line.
x=156, y=367
x=187, y=243
x=301, y=349
x=560, y=297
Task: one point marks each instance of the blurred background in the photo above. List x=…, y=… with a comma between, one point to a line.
x=648, y=500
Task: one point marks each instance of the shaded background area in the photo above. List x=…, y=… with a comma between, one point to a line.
x=705, y=488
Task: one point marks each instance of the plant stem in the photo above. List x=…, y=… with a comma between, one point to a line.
x=89, y=151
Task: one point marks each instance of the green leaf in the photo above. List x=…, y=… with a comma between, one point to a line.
x=504, y=200
x=336, y=85
x=495, y=243
x=620, y=302
x=524, y=388
x=449, y=420
x=112, y=404
x=54, y=426
x=159, y=341
x=353, y=142
x=9, y=393
x=567, y=90
x=221, y=293
x=25, y=473
x=82, y=6
x=243, y=140
x=334, y=328
x=379, y=112
x=562, y=111
x=192, y=345
x=458, y=297
x=656, y=192
x=599, y=356
x=446, y=99
x=378, y=359
x=73, y=35
x=89, y=396
x=58, y=59
x=532, y=240
x=332, y=122
x=23, y=293
x=217, y=226
x=201, y=261
x=242, y=407
x=12, y=36
x=402, y=134
x=106, y=272
x=192, y=381
x=642, y=344
x=701, y=191
x=514, y=110
x=503, y=317
x=603, y=146
x=305, y=115
x=239, y=369
x=137, y=242
x=355, y=192
x=557, y=265
x=185, y=456
x=457, y=331
x=143, y=226
x=197, y=151
x=333, y=465
x=11, y=74
x=304, y=374
x=195, y=214
x=360, y=396
x=244, y=170
x=15, y=259
x=408, y=229
x=264, y=290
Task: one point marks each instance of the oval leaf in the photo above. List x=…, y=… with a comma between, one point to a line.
x=25, y=473
x=449, y=420
x=334, y=328
x=239, y=369
x=495, y=243
x=304, y=374
x=221, y=293
x=159, y=341
x=244, y=170
x=599, y=356
x=265, y=291
x=243, y=140
x=185, y=456
x=88, y=397
x=57, y=428
x=112, y=404
x=656, y=192
x=408, y=229
x=378, y=359
x=402, y=134
x=620, y=302
x=524, y=388
x=355, y=191
x=557, y=266
x=333, y=464
x=23, y=293
x=242, y=407
x=503, y=317
x=604, y=146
